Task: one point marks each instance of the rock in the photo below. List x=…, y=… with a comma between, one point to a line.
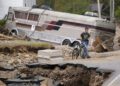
x=47, y=82
x=8, y=74
x=27, y=55
x=23, y=75
x=66, y=50
x=6, y=67
x=15, y=62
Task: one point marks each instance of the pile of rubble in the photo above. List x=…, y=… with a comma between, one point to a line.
x=104, y=41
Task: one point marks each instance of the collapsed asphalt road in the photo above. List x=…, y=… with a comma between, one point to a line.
x=75, y=70
x=58, y=75
x=108, y=63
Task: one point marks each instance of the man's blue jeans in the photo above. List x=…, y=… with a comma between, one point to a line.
x=85, y=48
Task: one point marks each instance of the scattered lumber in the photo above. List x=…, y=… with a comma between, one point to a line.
x=4, y=37
x=102, y=46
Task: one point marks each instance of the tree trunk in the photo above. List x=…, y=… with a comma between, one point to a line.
x=117, y=37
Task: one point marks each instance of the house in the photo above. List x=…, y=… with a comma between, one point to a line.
x=5, y=4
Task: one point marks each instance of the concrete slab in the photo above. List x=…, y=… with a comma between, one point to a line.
x=50, y=53
x=46, y=56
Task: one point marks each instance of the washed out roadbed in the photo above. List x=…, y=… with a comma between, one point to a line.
x=17, y=58
x=16, y=52
x=56, y=74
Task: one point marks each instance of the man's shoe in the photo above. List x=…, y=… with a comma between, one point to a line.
x=83, y=57
x=88, y=57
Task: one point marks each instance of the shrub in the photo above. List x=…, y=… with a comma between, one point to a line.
x=117, y=13
x=2, y=23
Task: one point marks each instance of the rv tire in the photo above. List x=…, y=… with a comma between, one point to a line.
x=76, y=44
x=13, y=32
x=66, y=42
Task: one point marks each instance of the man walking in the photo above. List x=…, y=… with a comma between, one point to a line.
x=85, y=41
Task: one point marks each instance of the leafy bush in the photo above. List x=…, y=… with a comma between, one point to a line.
x=117, y=12
x=2, y=23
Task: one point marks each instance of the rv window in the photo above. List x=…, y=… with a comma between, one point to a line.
x=33, y=17
x=20, y=15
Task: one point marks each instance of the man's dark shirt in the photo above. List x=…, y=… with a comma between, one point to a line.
x=85, y=36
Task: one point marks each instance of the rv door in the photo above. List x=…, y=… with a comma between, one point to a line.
x=43, y=20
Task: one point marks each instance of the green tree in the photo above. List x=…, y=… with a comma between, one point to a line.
x=40, y=2
x=2, y=22
x=79, y=6
x=72, y=6
x=117, y=8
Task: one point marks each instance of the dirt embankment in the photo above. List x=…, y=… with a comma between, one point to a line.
x=17, y=52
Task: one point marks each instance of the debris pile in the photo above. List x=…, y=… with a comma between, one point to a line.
x=17, y=52
x=66, y=50
x=4, y=37
x=104, y=41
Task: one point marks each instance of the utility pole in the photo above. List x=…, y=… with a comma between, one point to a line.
x=53, y=4
x=99, y=9
x=112, y=8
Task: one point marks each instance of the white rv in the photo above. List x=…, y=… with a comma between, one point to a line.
x=5, y=4
x=57, y=27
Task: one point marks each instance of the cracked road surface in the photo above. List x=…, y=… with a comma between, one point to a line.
x=108, y=63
